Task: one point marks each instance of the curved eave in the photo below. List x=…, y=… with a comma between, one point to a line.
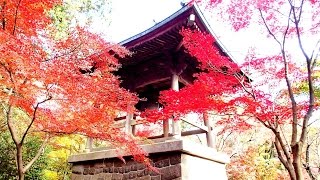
x=154, y=29
x=170, y=23
x=204, y=26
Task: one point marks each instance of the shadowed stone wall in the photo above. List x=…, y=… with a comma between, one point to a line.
x=175, y=160
x=168, y=164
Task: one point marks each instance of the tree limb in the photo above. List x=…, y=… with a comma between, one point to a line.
x=40, y=151
x=16, y=18
x=33, y=118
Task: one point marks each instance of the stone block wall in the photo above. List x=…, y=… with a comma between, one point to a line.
x=168, y=164
x=175, y=159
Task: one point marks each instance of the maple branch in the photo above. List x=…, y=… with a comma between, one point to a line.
x=307, y=164
x=288, y=83
x=238, y=77
x=268, y=29
x=40, y=151
x=264, y=123
x=285, y=139
x=9, y=72
x=276, y=10
x=16, y=18
x=11, y=127
x=300, y=12
x=3, y=17
x=314, y=56
x=282, y=145
x=33, y=118
x=310, y=80
x=313, y=122
x=315, y=137
x=60, y=132
x=280, y=154
x=224, y=140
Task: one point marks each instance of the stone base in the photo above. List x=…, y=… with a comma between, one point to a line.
x=175, y=159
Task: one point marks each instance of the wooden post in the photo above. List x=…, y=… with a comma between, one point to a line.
x=166, y=128
x=176, y=129
x=210, y=141
x=89, y=144
x=133, y=127
x=127, y=126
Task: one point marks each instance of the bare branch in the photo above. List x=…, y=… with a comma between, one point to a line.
x=40, y=151
x=307, y=164
x=313, y=122
x=266, y=25
x=11, y=127
x=224, y=139
x=280, y=154
x=264, y=123
x=296, y=23
x=285, y=139
x=16, y=18
x=288, y=83
x=3, y=16
x=284, y=147
x=241, y=81
x=315, y=54
x=33, y=118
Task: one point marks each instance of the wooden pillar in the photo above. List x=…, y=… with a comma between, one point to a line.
x=166, y=128
x=133, y=127
x=176, y=128
x=89, y=144
x=127, y=126
x=209, y=135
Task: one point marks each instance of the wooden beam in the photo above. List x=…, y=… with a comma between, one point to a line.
x=153, y=81
x=192, y=132
x=204, y=128
x=209, y=135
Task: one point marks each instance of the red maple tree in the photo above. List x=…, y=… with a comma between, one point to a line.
x=223, y=87
x=64, y=86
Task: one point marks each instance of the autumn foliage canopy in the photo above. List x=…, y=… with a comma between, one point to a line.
x=64, y=85
x=272, y=98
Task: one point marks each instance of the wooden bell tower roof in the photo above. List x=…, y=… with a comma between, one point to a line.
x=158, y=53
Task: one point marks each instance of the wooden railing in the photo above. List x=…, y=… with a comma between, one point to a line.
x=130, y=122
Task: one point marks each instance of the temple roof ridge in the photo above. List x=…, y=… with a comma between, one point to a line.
x=194, y=8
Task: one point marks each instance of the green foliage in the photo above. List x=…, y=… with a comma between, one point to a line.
x=8, y=169
x=7, y=160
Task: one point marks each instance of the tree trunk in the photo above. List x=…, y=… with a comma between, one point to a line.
x=297, y=163
x=292, y=173
x=20, y=162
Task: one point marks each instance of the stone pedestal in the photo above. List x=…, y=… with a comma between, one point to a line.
x=175, y=159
